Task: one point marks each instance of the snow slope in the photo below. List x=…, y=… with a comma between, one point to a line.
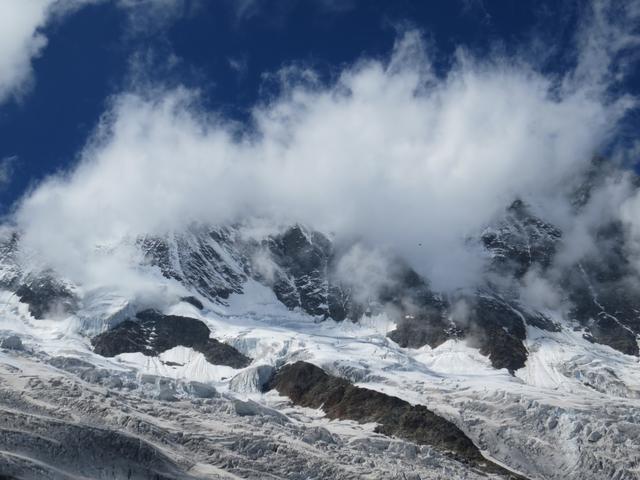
x=572, y=409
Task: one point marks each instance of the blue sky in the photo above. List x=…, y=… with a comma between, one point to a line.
x=228, y=49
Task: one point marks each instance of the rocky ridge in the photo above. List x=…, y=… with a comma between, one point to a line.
x=152, y=333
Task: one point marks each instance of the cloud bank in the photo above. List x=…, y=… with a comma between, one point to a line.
x=20, y=42
x=390, y=153
x=23, y=38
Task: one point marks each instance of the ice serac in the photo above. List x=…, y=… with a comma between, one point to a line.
x=59, y=427
x=252, y=380
x=50, y=448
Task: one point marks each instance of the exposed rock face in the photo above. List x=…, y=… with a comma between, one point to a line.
x=520, y=241
x=604, y=294
x=422, y=315
x=309, y=386
x=207, y=260
x=499, y=331
x=10, y=269
x=42, y=290
x=603, y=287
x=45, y=295
x=302, y=279
x=491, y=323
x=153, y=333
x=217, y=262
x=427, y=327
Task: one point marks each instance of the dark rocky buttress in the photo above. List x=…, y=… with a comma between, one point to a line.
x=152, y=333
x=310, y=386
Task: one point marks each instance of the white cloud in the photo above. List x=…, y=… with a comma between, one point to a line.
x=151, y=16
x=366, y=272
x=20, y=42
x=608, y=30
x=22, y=38
x=389, y=153
x=7, y=167
x=246, y=9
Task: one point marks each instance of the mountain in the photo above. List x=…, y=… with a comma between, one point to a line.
x=255, y=355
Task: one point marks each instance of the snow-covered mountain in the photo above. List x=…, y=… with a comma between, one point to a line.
x=258, y=354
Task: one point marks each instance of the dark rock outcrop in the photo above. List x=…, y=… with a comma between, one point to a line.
x=153, y=333
x=540, y=320
x=428, y=327
x=604, y=293
x=206, y=260
x=420, y=314
x=309, y=386
x=44, y=295
x=492, y=324
x=520, y=241
x=498, y=330
x=301, y=281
